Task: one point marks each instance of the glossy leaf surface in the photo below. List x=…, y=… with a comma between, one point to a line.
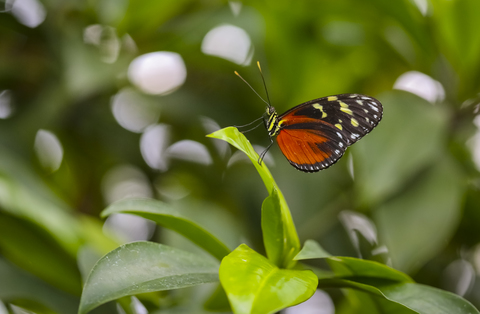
x=255, y=285
x=385, y=282
x=419, y=298
x=141, y=267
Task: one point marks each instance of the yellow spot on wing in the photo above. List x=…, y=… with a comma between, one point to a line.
x=339, y=126
x=332, y=98
x=344, y=108
x=354, y=122
x=320, y=107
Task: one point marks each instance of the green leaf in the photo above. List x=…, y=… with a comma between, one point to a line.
x=454, y=25
x=409, y=17
x=141, y=267
x=291, y=241
x=393, y=285
x=311, y=249
x=167, y=217
x=218, y=301
x=272, y=229
x=430, y=209
x=255, y=285
x=419, y=298
x=24, y=196
x=354, y=267
x=427, y=300
x=237, y=139
x=20, y=310
x=35, y=250
x=384, y=160
x=17, y=284
x=359, y=301
x=349, y=267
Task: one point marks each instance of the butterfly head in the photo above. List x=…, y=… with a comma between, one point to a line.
x=270, y=110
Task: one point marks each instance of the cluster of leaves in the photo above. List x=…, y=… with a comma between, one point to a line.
x=253, y=283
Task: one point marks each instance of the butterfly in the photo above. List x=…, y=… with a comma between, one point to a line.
x=315, y=134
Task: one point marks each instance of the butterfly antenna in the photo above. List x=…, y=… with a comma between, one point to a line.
x=264, y=84
x=236, y=73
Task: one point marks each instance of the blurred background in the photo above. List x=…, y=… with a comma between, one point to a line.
x=102, y=100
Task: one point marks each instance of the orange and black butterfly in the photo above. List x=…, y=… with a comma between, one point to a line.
x=315, y=134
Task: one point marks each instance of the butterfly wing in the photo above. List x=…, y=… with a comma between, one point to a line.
x=315, y=134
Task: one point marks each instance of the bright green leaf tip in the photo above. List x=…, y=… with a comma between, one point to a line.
x=347, y=267
x=255, y=285
x=311, y=249
x=237, y=139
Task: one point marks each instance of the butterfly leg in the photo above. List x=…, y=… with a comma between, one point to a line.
x=251, y=129
x=248, y=124
x=262, y=155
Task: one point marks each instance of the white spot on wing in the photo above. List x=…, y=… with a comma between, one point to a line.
x=373, y=107
x=339, y=135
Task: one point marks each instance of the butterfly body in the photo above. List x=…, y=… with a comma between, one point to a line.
x=315, y=134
